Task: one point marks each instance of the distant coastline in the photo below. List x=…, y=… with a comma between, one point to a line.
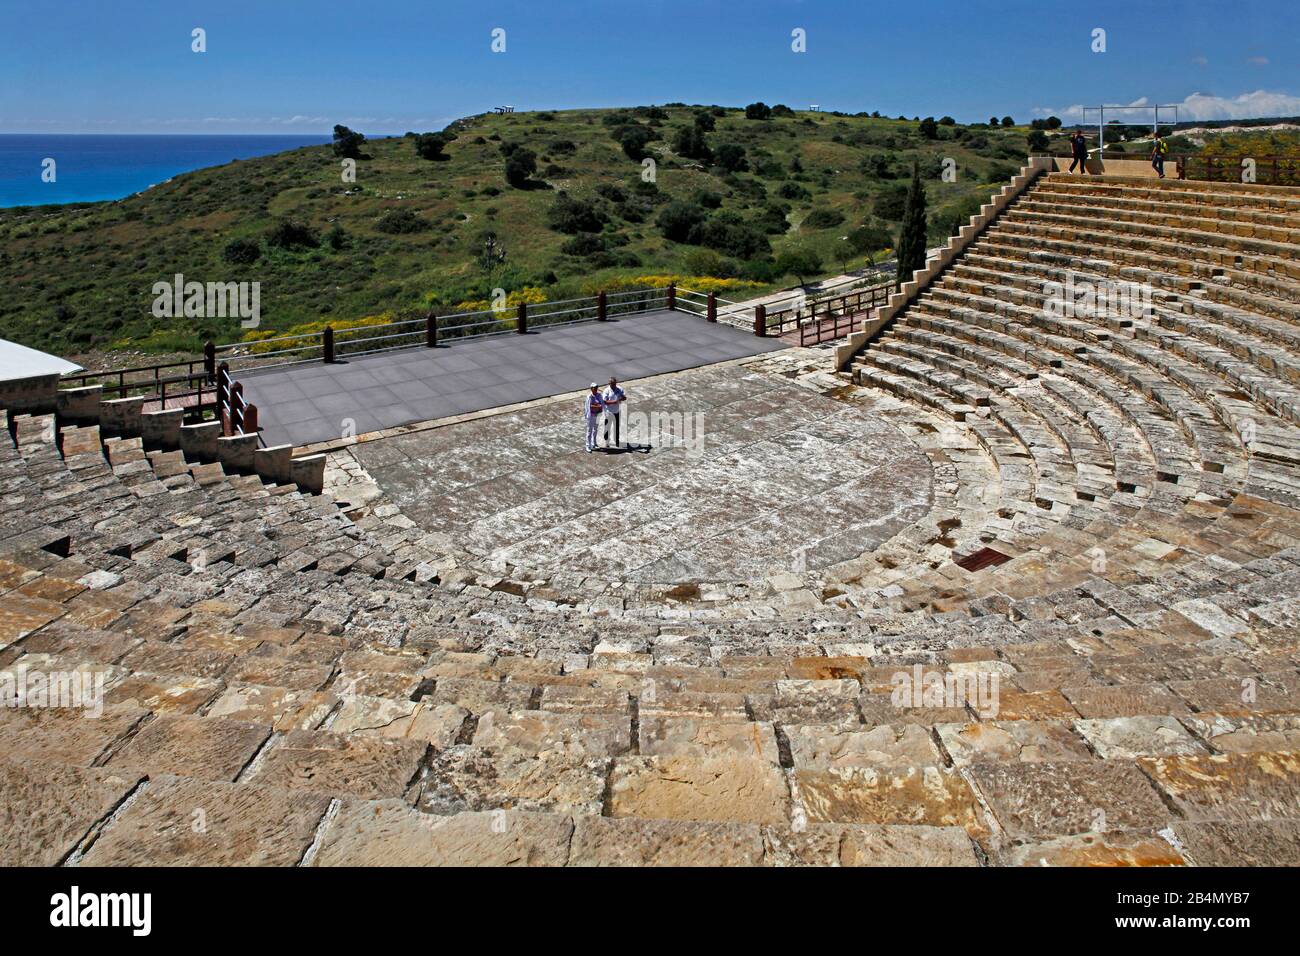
x=94, y=167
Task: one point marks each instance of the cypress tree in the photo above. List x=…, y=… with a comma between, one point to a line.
x=911, y=241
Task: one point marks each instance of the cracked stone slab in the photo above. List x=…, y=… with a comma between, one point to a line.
x=165, y=695
x=175, y=821
x=824, y=747
x=465, y=778
x=628, y=841
x=706, y=737
x=390, y=833
x=1064, y=798
x=1236, y=786
x=1253, y=843
x=539, y=732
x=367, y=767
x=1094, y=849
x=865, y=844
x=437, y=724
x=1231, y=733
x=206, y=748
x=283, y=708
x=46, y=812
x=65, y=736
x=1127, y=738
x=1011, y=741
x=933, y=796
x=723, y=788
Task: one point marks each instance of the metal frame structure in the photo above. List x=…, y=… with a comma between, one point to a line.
x=1101, y=120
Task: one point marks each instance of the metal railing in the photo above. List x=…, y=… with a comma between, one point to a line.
x=813, y=321
x=430, y=329
x=188, y=384
x=1261, y=170
x=237, y=416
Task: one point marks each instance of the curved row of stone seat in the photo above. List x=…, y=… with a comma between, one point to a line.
x=644, y=746
x=1082, y=208
x=655, y=762
x=1001, y=344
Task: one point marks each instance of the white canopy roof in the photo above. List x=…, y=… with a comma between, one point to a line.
x=18, y=362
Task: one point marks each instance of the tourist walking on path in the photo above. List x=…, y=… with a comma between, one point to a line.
x=1079, y=150
x=613, y=398
x=592, y=406
x=1159, y=150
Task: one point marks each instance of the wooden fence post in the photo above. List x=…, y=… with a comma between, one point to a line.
x=672, y=296
x=713, y=307
x=521, y=326
x=601, y=307
x=328, y=341
x=760, y=321
x=431, y=330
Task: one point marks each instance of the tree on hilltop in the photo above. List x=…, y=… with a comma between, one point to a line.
x=430, y=146
x=347, y=143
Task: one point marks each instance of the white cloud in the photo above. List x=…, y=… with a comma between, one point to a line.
x=1199, y=106
x=1257, y=60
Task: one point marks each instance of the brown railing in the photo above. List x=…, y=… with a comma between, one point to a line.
x=1267, y=170
x=822, y=320
x=190, y=384
x=237, y=416
x=429, y=329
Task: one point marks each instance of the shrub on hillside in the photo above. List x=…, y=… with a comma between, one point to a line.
x=569, y=215
x=706, y=262
x=803, y=264
x=891, y=203
x=759, y=111
x=823, y=218
x=430, y=146
x=242, y=252
x=292, y=234
x=400, y=222
x=792, y=190
x=584, y=244
x=731, y=157
x=677, y=220
x=633, y=139
x=521, y=163
x=729, y=234
x=689, y=141
x=772, y=219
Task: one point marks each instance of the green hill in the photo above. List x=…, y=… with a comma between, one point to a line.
x=413, y=232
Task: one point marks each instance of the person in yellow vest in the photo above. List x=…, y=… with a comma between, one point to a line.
x=1159, y=150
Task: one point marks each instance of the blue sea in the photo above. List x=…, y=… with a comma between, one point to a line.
x=94, y=167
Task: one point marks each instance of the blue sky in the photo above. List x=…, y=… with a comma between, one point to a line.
x=120, y=66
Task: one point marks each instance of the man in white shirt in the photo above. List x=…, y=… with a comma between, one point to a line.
x=613, y=398
x=592, y=407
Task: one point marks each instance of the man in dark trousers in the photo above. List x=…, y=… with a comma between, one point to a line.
x=1079, y=150
x=613, y=398
x=1159, y=150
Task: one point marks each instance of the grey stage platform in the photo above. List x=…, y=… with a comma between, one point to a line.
x=303, y=404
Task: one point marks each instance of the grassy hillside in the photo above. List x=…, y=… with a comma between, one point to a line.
x=412, y=232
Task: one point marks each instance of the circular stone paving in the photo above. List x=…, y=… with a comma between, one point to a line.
x=734, y=475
